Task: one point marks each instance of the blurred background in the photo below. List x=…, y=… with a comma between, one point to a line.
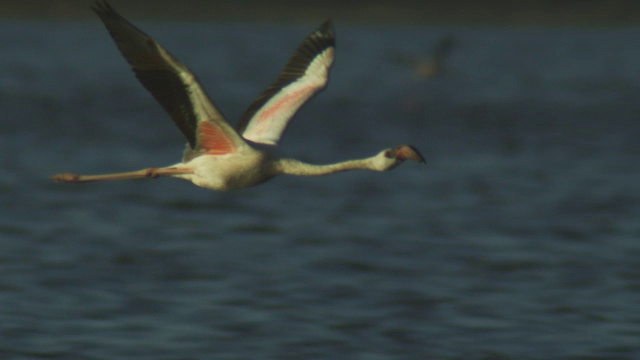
x=519, y=239
x=460, y=12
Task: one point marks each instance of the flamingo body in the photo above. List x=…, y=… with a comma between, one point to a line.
x=241, y=169
x=217, y=156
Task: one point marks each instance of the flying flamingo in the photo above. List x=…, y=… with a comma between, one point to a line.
x=217, y=156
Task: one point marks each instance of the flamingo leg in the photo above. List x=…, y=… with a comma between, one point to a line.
x=139, y=174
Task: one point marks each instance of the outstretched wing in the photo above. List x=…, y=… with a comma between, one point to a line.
x=172, y=84
x=306, y=73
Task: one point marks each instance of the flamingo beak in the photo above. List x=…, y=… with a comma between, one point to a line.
x=407, y=152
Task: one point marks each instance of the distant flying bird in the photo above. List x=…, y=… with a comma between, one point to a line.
x=217, y=156
x=434, y=66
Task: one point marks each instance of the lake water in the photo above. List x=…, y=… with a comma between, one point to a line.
x=520, y=238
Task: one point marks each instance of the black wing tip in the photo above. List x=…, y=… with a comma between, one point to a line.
x=104, y=9
x=327, y=32
x=101, y=7
x=327, y=27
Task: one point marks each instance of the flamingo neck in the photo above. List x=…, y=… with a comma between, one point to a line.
x=295, y=167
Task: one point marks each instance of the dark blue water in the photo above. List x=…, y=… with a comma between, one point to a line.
x=520, y=239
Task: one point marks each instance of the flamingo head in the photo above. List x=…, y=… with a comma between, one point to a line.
x=390, y=158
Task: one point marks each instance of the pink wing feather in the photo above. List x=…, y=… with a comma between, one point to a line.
x=173, y=85
x=306, y=73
